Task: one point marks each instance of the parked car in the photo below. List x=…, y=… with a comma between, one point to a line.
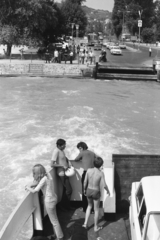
x=115, y=50
x=144, y=212
x=98, y=47
x=122, y=45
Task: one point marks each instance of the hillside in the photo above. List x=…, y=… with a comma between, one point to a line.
x=92, y=13
x=96, y=13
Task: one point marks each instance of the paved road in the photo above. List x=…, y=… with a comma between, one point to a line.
x=133, y=55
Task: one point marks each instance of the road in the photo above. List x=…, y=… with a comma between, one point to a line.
x=132, y=55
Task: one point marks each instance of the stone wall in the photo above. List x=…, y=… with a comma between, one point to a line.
x=14, y=69
x=44, y=69
x=62, y=69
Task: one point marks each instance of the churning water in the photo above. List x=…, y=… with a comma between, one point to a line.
x=110, y=116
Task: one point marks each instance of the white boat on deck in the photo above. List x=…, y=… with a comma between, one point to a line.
x=144, y=210
x=30, y=205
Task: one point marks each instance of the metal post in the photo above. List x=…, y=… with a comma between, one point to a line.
x=139, y=37
x=140, y=13
x=77, y=28
x=72, y=29
x=123, y=24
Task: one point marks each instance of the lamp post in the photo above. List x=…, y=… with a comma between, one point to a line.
x=139, y=25
x=77, y=28
x=72, y=25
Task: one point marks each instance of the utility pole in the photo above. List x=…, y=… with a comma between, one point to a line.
x=140, y=25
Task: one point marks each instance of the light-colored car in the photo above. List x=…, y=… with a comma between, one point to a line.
x=111, y=45
x=144, y=212
x=105, y=44
x=116, y=50
x=122, y=45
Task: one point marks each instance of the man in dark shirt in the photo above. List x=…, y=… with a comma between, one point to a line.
x=87, y=158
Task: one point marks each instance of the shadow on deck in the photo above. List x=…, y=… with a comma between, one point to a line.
x=72, y=221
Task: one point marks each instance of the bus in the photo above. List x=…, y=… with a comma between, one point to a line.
x=92, y=39
x=126, y=37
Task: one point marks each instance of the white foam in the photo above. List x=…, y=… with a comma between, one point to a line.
x=70, y=92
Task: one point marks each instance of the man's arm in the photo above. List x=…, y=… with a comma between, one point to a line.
x=105, y=184
x=69, y=162
x=54, y=158
x=78, y=158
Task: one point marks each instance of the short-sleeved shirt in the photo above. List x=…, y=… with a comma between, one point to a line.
x=47, y=187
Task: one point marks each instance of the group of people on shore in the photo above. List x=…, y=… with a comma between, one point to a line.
x=91, y=180
x=85, y=56
x=66, y=54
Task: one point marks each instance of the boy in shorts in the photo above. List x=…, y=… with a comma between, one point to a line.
x=92, y=182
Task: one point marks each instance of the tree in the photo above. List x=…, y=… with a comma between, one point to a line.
x=148, y=35
x=157, y=13
x=28, y=18
x=117, y=16
x=146, y=7
x=79, y=2
x=73, y=13
x=8, y=35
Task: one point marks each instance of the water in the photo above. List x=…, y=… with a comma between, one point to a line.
x=110, y=116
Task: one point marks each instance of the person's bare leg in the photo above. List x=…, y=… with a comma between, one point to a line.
x=88, y=211
x=96, y=214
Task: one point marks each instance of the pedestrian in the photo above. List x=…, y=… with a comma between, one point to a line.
x=90, y=56
x=71, y=56
x=78, y=49
x=59, y=56
x=82, y=57
x=61, y=162
x=45, y=183
x=150, y=52
x=56, y=55
x=92, y=183
x=65, y=54
x=47, y=56
x=86, y=57
x=21, y=52
x=87, y=158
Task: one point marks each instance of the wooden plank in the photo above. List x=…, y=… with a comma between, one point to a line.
x=135, y=77
x=125, y=68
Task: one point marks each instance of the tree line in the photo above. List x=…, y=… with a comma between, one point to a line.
x=130, y=11
x=39, y=22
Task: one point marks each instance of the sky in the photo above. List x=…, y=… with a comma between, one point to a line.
x=98, y=4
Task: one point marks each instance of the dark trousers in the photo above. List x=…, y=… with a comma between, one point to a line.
x=66, y=196
x=71, y=59
x=84, y=198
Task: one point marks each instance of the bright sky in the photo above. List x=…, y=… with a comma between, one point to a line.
x=98, y=4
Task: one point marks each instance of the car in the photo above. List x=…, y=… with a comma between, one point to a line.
x=144, y=211
x=105, y=44
x=64, y=45
x=58, y=45
x=98, y=47
x=111, y=45
x=115, y=50
x=122, y=45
